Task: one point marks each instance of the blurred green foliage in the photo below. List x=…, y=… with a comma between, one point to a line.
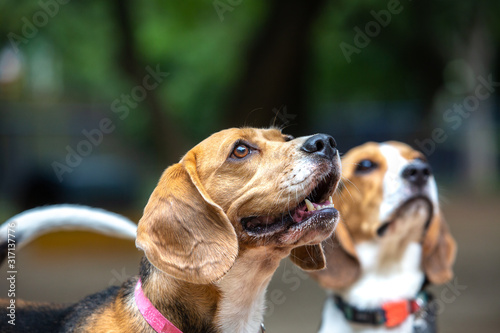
x=205, y=55
x=202, y=54
x=99, y=50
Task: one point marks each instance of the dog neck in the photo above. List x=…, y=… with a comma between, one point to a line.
x=243, y=290
x=391, y=265
x=235, y=303
x=190, y=307
x=381, y=281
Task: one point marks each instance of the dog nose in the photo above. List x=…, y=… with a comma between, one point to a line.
x=417, y=173
x=320, y=145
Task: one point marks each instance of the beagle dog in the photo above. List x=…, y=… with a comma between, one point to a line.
x=391, y=241
x=213, y=232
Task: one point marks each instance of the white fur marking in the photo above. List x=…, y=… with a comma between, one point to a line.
x=400, y=281
x=243, y=302
x=395, y=189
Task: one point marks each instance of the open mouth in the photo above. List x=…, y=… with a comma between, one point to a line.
x=403, y=209
x=316, y=207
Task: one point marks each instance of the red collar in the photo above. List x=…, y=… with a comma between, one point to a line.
x=153, y=317
x=391, y=314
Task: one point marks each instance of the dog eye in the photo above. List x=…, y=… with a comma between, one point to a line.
x=365, y=166
x=240, y=151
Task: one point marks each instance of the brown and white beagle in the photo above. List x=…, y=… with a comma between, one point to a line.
x=390, y=242
x=213, y=232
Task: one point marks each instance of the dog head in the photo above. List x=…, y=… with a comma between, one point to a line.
x=389, y=196
x=237, y=190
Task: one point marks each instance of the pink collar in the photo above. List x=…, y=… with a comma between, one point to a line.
x=154, y=318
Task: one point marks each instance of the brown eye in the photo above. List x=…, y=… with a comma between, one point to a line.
x=365, y=166
x=241, y=151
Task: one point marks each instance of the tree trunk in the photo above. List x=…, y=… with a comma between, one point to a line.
x=427, y=61
x=166, y=138
x=480, y=144
x=271, y=90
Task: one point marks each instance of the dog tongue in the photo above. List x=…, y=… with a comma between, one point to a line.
x=300, y=214
x=307, y=210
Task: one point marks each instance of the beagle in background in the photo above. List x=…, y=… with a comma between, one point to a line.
x=213, y=233
x=391, y=241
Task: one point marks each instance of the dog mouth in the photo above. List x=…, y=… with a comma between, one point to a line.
x=404, y=208
x=315, y=208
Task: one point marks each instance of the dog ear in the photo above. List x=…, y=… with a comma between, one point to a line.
x=342, y=265
x=183, y=232
x=439, y=251
x=308, y=257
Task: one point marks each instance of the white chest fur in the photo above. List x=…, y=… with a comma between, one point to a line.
x=243, y=294
x=377, y=285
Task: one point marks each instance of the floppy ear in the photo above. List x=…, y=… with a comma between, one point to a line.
x=183, y=232
x=439, y=251
x=342, y=265
x=308, y=257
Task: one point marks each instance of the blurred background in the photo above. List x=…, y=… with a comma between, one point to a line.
x=98, y=97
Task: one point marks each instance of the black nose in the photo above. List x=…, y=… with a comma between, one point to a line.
x=320, y=145
x=417, y=173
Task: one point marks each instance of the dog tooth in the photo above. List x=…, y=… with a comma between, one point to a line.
x=330, y=199
x=309, y=205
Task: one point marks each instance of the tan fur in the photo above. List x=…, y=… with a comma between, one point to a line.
x=190, y=230
x=359, y=203
x=361, y=197
x=439, y=252
x=408, y=228
x=203, y=271
x=203, y=250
